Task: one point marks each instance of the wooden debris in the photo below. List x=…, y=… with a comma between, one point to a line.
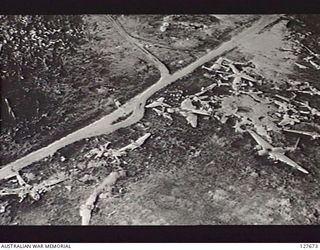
x=107, y=183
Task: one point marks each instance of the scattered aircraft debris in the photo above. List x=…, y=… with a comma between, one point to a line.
x=222, y=67
x=288, y=120
x=247, y=106
x=310, y=51
x=305, y=88
x=301, y=66
x=190, y=112
x=164, y=26
x=232, y=107
x=285, y=98
x=193, y=25
x=284, y=107
x=34, y=191
x=10, y=110
x=136, y=144
x=205, y=90
x=256, y=96
x=276, y=153
x=163, y=113
x=315, y=65
x=157, y=103
x=98, y=152
x=217, y=65
x=313, y=111
x=106, y=184
x=115, y=154
x=63, y=159
x=239, y=124
x=238, y=76
x=160, y=103
x=3, y=206
x=117, y=103
x=311, y=57
x=186, y=109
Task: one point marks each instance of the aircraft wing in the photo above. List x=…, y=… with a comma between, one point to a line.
x=200, y=112
x=263, y=143
x=295, y=131
x=157, y=103
x=206, y=89
x=219, y=60
x=247, y=77
x=142, y=139
x=187, y=105
x=192, y=119
x=160, y=99
x=137, y=143
x=153, y=104
x=167, y=116
x=234, y=69
x=159, y=112
x=288, y=161
x=302, y=132
x=162, y=103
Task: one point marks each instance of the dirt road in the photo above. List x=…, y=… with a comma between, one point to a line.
x=134, y=108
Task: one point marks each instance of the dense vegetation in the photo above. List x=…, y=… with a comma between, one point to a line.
x=33, y=49
x=311, y=21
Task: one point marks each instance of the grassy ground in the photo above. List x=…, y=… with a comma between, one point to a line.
x=91, y=79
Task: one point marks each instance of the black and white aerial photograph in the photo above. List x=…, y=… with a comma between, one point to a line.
x=177, y=119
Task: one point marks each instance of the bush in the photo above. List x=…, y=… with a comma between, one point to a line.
x=32, y=51
x=34, y=43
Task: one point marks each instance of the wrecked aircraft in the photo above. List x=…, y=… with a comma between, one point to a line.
x=276, y=153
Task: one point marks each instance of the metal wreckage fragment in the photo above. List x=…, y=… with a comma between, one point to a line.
x=254, y=111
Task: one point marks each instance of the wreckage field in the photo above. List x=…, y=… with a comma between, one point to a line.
x=160, y=120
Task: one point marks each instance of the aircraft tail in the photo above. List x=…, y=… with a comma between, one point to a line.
x=293, y=148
